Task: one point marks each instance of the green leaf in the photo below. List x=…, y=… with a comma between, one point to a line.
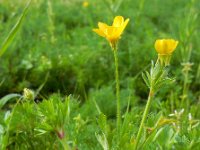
x=145, y=80
x=2, y=82
x=13, y=31
x=148, y=76
x=165, y=136
x=2, y=130
x=103, y=141
x=7, y=98
x=102, y=121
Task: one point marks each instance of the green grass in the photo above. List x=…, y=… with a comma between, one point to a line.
x=56, y=54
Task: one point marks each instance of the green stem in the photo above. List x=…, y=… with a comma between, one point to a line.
x=117, y=91
x=185, y=91
x=64, y=144
x=144, y=118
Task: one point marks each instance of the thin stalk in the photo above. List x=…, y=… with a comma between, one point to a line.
x=185, y=101
x=150, y=97
x=117, y=91
x=184, y=95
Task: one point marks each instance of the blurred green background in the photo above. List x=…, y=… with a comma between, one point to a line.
x=56, y=46
x=55, y=53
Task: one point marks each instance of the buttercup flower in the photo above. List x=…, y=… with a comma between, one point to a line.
x=164, y=48
x=112, y=33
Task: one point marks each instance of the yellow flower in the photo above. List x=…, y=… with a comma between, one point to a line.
x=85, y=4
x=165, y=46
x=112, y=33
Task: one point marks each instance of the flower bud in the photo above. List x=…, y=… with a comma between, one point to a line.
x=28, y=94
x=165, y=48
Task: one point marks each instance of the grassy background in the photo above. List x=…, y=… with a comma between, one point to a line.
x=57, y=38
x=56, y=47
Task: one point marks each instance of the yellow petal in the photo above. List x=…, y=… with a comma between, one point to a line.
x=99, y=32
x=125, y=24
x=165, y=46
x=102, y=26
x=110, y=33
x=118, y=21
x=158, y=46
x=173, y=45
x=121, y=29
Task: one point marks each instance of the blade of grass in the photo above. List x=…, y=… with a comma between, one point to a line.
x=13, y=31
x=42, y=85
x=2, y=81
x=7, y=98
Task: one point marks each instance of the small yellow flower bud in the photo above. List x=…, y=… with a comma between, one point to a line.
x=28, y=94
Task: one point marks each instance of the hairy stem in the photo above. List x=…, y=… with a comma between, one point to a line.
x=117, y=91
x=150, y=97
